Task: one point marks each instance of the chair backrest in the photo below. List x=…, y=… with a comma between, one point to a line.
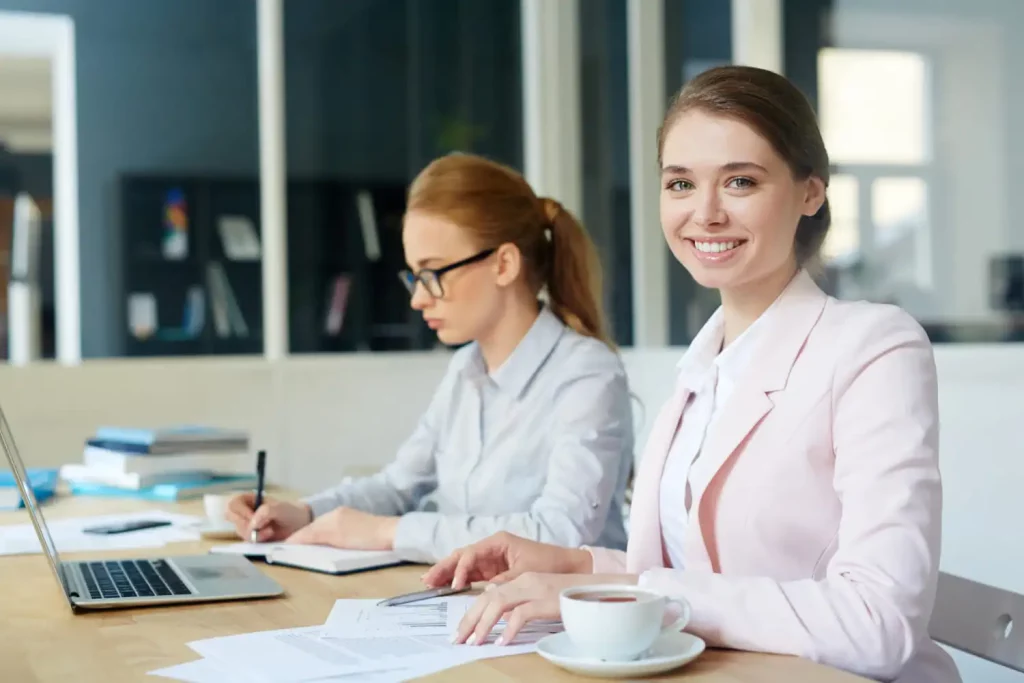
x=981, y=620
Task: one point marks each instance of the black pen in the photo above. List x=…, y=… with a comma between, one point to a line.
x=261, y=466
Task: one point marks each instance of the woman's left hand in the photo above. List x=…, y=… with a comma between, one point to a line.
x=529, y=597
x=349, y=528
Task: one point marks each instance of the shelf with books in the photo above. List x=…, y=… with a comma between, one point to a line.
x=201, y=292
x=181, y=298
x=345, y=251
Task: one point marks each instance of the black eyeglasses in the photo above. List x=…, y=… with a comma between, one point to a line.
x=431, y=277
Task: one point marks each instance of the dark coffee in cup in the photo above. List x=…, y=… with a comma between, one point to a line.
x=603, y=597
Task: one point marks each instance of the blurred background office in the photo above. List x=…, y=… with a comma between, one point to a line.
x=213, y=189
x=916, y=100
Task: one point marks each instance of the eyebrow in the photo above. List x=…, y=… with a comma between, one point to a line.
x=425, y=262
x=731, y=167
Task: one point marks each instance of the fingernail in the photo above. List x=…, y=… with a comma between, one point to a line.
x=491, y=586
x=500, y=640
x=455, y=636
x=472, y=640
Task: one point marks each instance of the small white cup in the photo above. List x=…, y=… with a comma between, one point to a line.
x=216, y=507
x=617, y=623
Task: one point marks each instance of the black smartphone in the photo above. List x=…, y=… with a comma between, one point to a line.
x=124, y=527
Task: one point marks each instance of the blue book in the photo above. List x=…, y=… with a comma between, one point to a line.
x=180, y=435
x=42, y=481
x=169, y=491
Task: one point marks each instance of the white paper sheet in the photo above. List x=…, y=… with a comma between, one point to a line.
x=303, y=654
x=289, y=655
x=248, y=549
x=210, y=671
x=428, y=617
x=69, y=537
x=361, y=641
x=367, y=618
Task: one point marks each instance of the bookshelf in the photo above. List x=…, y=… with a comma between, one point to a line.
x=192, y=267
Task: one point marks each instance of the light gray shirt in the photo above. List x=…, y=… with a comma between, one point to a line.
x=541, y=448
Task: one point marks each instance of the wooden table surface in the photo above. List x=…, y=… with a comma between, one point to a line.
x=42, y=640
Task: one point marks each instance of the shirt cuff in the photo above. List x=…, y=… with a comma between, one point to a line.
x=414, y=537
x=606, y=560
x=320, y=505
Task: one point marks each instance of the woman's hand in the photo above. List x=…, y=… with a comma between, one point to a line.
x=276, y=520
x=348, y=528
x=528, y=598
x=502, y=557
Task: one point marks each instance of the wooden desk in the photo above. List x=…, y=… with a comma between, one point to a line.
x=41, y=640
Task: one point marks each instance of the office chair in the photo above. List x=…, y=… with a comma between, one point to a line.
x=981, y=620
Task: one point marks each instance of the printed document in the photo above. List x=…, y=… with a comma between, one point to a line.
x=430, y=617
x=361, y=641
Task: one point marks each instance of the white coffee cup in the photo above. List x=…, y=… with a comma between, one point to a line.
x=216, y=507
x=616, y=622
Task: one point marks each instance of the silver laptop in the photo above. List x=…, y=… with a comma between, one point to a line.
x=139, y=582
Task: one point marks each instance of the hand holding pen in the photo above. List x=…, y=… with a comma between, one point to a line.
x=257, y=516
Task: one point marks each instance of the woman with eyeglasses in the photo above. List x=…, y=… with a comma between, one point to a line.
x=530, y=431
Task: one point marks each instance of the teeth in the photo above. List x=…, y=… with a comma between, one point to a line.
x=715, y=247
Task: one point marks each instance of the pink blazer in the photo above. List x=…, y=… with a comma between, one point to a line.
x=819, y=533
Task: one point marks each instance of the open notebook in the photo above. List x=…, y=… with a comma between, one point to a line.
x=318, y=558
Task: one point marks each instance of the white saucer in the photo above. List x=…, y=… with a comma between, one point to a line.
x=669, y=651
x=218, y=530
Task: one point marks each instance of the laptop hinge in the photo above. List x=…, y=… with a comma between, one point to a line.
x=65, y=579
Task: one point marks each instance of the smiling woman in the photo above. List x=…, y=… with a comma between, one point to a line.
x=743, y=185
x=790, y=488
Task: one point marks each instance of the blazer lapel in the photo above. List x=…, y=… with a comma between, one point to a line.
x=740, y=415
x=791, y=319
x=644, y=548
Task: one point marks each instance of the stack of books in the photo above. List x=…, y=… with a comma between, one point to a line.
x=42, y=481
x=162, y=464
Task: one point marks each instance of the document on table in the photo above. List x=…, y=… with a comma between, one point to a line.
x=367, y=618
x=69, y=537
x=361, y=642
x=429, y=617
x=209, y=671
x=302, y=654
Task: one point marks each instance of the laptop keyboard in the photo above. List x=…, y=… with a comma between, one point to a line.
x=131, y=579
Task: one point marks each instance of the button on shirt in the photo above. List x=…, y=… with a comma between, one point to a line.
x=711, y=379
x=540, y=447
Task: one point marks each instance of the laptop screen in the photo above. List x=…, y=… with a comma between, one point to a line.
x=18, y=470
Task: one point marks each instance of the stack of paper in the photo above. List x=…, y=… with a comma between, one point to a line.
x=360, y=641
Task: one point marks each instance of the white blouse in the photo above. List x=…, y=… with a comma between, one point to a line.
x=710, y=373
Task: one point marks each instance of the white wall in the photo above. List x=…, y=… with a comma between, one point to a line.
x=323, y=417
x=317, y=417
